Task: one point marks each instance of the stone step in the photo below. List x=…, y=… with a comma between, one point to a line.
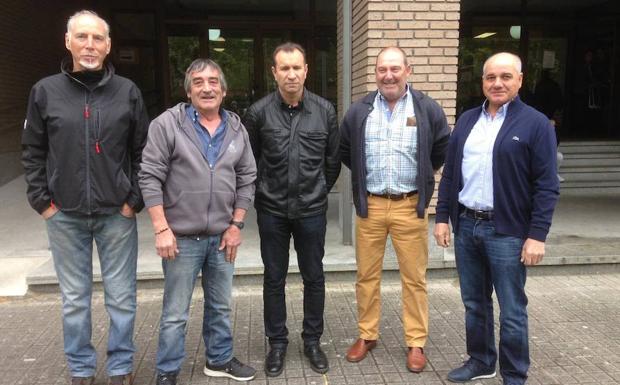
x=591, y=186
x=611, y=148
x=592, y=174
x=584, y=162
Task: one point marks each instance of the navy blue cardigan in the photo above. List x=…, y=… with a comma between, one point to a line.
x=433, y=133
x=525, y=182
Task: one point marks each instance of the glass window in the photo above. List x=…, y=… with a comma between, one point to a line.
x=182, y=50
x=233, y=50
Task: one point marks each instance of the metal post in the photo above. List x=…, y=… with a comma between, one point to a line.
x=346, y=200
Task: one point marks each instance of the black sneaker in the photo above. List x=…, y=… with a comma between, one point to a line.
x=232, y=369
x=166, y=379
x=471, y=370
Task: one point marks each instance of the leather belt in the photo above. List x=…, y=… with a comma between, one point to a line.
x=478, y=214
x=393, y=197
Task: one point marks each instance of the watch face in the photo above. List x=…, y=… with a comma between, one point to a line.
x=240, y=225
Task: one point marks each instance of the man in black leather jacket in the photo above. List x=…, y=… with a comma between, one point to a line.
x=294, y=136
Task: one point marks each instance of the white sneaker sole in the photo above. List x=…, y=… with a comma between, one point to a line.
x=217, y=373
x=481, y=377
x=484, y=376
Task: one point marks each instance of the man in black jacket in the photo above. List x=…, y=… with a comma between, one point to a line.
x=82, y=142
x=294, y=136
x=393, y=140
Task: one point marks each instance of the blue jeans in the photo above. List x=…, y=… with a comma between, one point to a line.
x=309, y=239
x=71, y=241
x=196, y=254
x=486, y=260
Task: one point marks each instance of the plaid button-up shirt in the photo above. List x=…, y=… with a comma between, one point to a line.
x=391, y=147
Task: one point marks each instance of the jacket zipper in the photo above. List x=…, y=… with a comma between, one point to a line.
x=87, y=148
x=97, y=133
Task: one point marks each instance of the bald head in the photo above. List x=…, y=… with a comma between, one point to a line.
x=503, y=58
x=501, y=79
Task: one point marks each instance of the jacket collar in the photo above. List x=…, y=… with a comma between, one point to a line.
x=370, y=98
x=66, y=67
x=281, y=103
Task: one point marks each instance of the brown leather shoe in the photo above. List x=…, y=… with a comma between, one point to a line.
x=416, y=361
x=360, y=349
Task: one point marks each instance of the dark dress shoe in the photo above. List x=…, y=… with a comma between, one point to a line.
x=274, y=362
x=317, y=358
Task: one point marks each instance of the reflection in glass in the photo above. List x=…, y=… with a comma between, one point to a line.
x=182, y=50
x=234, y=52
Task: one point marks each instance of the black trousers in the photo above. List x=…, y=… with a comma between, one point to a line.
x=309, y=241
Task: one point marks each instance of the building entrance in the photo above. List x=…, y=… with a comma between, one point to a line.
x=570, y=53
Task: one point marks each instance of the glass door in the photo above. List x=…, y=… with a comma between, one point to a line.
x=233, y=50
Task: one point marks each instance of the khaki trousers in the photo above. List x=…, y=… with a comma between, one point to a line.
x=410, y=239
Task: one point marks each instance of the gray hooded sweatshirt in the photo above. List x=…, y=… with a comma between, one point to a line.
x=197, y=199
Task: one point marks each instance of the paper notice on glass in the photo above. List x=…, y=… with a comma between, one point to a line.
x=548, y=59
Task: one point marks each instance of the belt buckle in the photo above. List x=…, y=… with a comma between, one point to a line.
x=480, y=214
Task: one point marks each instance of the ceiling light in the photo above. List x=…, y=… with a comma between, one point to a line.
x=214, y=34
x=485, y=35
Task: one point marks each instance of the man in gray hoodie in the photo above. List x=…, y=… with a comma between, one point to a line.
x=197, y=179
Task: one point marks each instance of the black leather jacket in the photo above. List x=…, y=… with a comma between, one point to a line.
x=297, y=154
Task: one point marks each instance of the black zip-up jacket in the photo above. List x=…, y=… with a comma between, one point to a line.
x=81, y=148
x=433, y=135
x=296, y=151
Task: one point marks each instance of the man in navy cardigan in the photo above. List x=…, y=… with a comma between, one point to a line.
x=499, y=189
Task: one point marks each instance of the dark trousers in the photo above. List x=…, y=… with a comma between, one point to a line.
x=309, y=240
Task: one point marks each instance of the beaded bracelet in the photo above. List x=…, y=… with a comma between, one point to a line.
x=161, y=231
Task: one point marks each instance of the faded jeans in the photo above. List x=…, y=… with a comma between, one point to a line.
x=71, y=241
x=196, y=254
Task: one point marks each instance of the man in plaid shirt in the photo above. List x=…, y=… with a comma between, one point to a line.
x=393, y=140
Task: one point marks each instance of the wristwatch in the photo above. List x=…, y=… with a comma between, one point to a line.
x=239, y=224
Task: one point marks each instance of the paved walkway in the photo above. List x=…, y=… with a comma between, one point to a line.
x=574, y=333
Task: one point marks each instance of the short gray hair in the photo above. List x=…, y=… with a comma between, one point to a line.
x=516, y=60
x=84, y=12
x=199, y=65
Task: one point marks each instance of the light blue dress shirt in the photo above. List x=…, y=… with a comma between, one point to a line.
x=477, y=168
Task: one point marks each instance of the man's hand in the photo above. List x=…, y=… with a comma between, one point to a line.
x=533, y=252
x=166, y=245
x=231, y=239
x=127, y=211
x=442, y=234
x=49, y=212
